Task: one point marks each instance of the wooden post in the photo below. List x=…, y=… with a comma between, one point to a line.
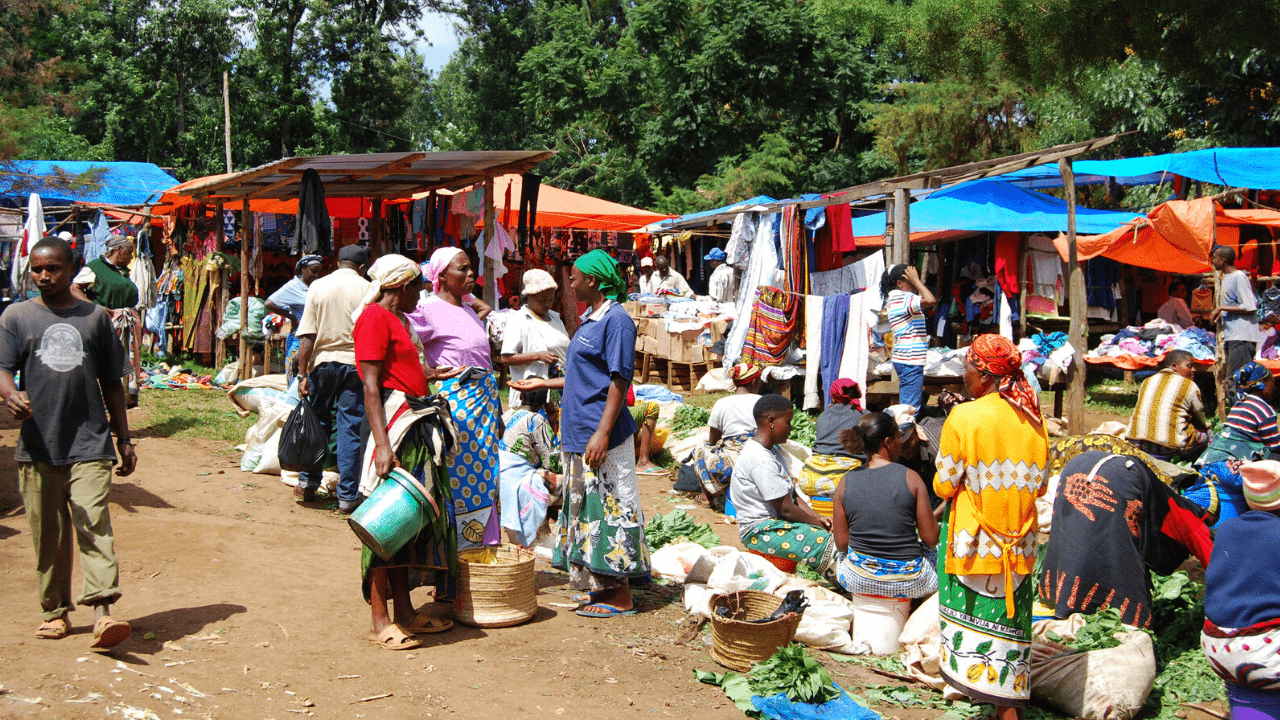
x=375, y=232
x=1076, y=333
x=246, y=234
x=489, y=292
x=1221, y=380
x=901, y=227
x=219, y=296
x=1024, y=279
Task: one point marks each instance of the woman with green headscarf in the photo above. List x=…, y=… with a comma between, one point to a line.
x=601, y=527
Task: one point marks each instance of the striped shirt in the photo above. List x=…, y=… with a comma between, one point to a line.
x=906, y=320
x=1168, y=411
x=1254, y=419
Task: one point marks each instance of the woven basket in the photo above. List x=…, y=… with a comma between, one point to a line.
x=500, y=595
x=738, y=645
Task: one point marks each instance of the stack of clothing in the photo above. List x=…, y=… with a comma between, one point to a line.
x=1155, y=339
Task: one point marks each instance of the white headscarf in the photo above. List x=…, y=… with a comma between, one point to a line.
x=387, y=273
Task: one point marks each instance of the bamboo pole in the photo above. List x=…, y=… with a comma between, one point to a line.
x=246, y=233
x=1075, y=301
x=219, y=295
x=489, y=292
x=1221, y=380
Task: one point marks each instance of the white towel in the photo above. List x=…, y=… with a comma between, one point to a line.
x=857, y=337
x=813, y=349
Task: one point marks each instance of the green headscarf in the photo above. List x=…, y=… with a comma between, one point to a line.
x=599, y=264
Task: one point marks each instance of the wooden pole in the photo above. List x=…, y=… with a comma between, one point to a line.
x=1221, y=380
x=489, y=292
x=1075, y=301
x=226, y=118
x=219, y=295
x=246, y=233
x=901, y=227
x=375, y=234
x=1024, y=279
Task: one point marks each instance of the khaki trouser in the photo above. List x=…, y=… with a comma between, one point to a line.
x=62, y=500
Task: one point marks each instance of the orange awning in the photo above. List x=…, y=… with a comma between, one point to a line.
x=171, y=200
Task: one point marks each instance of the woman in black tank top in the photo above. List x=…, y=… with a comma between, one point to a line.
x=883, y=526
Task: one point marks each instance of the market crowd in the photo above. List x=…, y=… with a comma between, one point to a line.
x=395, y=359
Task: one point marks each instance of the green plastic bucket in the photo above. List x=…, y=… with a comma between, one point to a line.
x=393, y=514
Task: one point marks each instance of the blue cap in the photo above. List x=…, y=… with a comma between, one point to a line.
x=715, y=254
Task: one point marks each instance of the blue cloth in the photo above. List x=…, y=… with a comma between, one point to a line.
x=96, y=242
x=337, y=396
x=1047, y=343
x=656, y=393
x=910, y=384
x=291, y=296
x=1100, y=274
x=1239, y=590
x=835, y=317
x=843, y=708
x=524, y=497
x=1220, y=478
x=599, y=350
x=1233, y=167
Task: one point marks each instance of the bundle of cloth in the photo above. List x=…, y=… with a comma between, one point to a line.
x=1155, y=339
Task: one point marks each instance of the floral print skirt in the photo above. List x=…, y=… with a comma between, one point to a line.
x=601, y=525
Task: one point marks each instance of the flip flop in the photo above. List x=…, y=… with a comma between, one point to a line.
x=652, y=473
x=587, y=598
x=54, y=629
x=613, y=611
x=108, y=633
x=425, y=624
x=394, y=637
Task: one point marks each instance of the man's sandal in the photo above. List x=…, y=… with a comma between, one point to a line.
x=108, y=633
x=54, y=629
x=425, y=624
x=394, y=637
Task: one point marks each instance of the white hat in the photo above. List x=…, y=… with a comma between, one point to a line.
x=66, y=236
x=536, y=281
x=646, y=262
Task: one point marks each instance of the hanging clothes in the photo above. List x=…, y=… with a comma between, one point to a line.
x=813, y=352
x=835, y=316
x=529, y=184
x=99, y=233
x=1045, y=266
x=761, y=271
x=1008, y=247
x=772, y=325
x=856, y=355
x=1100, y=276
x=741, y=237
x=313, y=233
x=143, y=273
x=32, y=233
x=840, y=220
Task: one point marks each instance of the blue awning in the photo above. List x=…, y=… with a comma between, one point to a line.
x=118, y=183
x=1253, y=168
x=667, y=224
x=995, y=206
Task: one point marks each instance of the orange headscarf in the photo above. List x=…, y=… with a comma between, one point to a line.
x=996, y=355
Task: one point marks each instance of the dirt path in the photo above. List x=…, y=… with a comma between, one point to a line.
x=247, y=605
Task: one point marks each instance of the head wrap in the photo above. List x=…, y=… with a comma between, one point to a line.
x=536, y=281
x=599, y=264
x=305, y=262
x=1262, y=484
x=646, y=262
x=66, y=236
x=387, y=273
x=744, y=373
x=715, y=254
x=118, y=241
x=846, y=392
x=1250, y=379
x=996, y=355
x=433, y=268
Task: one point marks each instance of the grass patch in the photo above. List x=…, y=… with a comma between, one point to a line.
x=192, y=414
x=705, y=401
x=1112, y=396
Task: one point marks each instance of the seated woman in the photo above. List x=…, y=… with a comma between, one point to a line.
x=1250, y=433
x=1168, y=419
x=830, y=460
x=884, y=527
x=770, y=519
x=732, y=424
x=645, y=415
x=1114, y=522
x=1242, y=601
x=395, y=400
x=529, y=466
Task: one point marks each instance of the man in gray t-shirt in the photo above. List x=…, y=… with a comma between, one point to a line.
x=70, y=363
x=1239, y=312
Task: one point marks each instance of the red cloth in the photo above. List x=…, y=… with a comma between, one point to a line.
x=841, y=223
x=1189, y=530
x=380, y=337
x=825, y=256
x=1008, y=246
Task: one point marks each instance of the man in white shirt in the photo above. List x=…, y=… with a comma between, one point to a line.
x=720, y=284
x=664, y=278
x=647, y=283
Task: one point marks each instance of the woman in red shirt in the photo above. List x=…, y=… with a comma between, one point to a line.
x=395, y=383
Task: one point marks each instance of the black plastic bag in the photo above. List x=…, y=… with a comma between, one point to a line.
x=303, y=441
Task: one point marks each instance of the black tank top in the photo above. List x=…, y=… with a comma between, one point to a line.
x=882, y=513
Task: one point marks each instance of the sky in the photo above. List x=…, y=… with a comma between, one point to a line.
x=443, y=39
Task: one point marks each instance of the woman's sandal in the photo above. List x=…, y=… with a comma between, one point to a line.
x=587, y=598
x=54, y=629
x=108, y=633
x=394, y=637
x=425, y=624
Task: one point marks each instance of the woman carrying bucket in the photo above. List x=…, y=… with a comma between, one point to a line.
x=601, y=526
x=409, y=432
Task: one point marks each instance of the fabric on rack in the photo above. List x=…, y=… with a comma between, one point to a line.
x=741, y=236
x=143, y=274
x=761, y=268
x=1004, y=313
x=1100, y=275
x=869, y=270
x=773, y=323
x=856, y=353
x=1008, y=246
x=835, y=316
x=502, y=243
x=529, y=184
x=841, y=281
x=795, y=261
x=99, y=232
x=312, y=233
x=1046, y=267
x=813, y=358
x=841, y=223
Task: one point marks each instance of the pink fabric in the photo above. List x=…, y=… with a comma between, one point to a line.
x=433, y=267
x=451, y=336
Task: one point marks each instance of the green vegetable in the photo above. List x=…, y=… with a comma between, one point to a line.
x=803, y=429
x=688, y=418
x=791, y=671
x=1098, y=632
x=677, y=526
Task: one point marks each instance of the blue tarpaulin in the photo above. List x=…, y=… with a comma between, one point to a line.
x=995, y=206
x=757, y=200
x=1253, y=168
x=117, y=183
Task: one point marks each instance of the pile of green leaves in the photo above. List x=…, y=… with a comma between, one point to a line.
x=803, y=429
x=791, y=671
x=688, y=418
x=1098, y=633
x=1183, y=672
x=676, y=527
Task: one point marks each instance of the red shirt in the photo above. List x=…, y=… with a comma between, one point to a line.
x=380, y=337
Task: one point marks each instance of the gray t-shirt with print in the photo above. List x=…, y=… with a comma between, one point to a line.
x=1237, y=291
x=759, y=477
x=62, y=355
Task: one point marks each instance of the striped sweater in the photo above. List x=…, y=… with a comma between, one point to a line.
x=1168, y=412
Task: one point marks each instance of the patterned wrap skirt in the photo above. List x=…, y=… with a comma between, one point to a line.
x=821, y=474
x=473, y=471
x=713, y=464
x=601, y=526
x=907, y=579
x=806, y=544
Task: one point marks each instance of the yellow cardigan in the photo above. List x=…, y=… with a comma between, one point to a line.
x=991, y=464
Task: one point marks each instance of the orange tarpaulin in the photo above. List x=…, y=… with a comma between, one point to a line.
x=170, y=201
x=1175, y=237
